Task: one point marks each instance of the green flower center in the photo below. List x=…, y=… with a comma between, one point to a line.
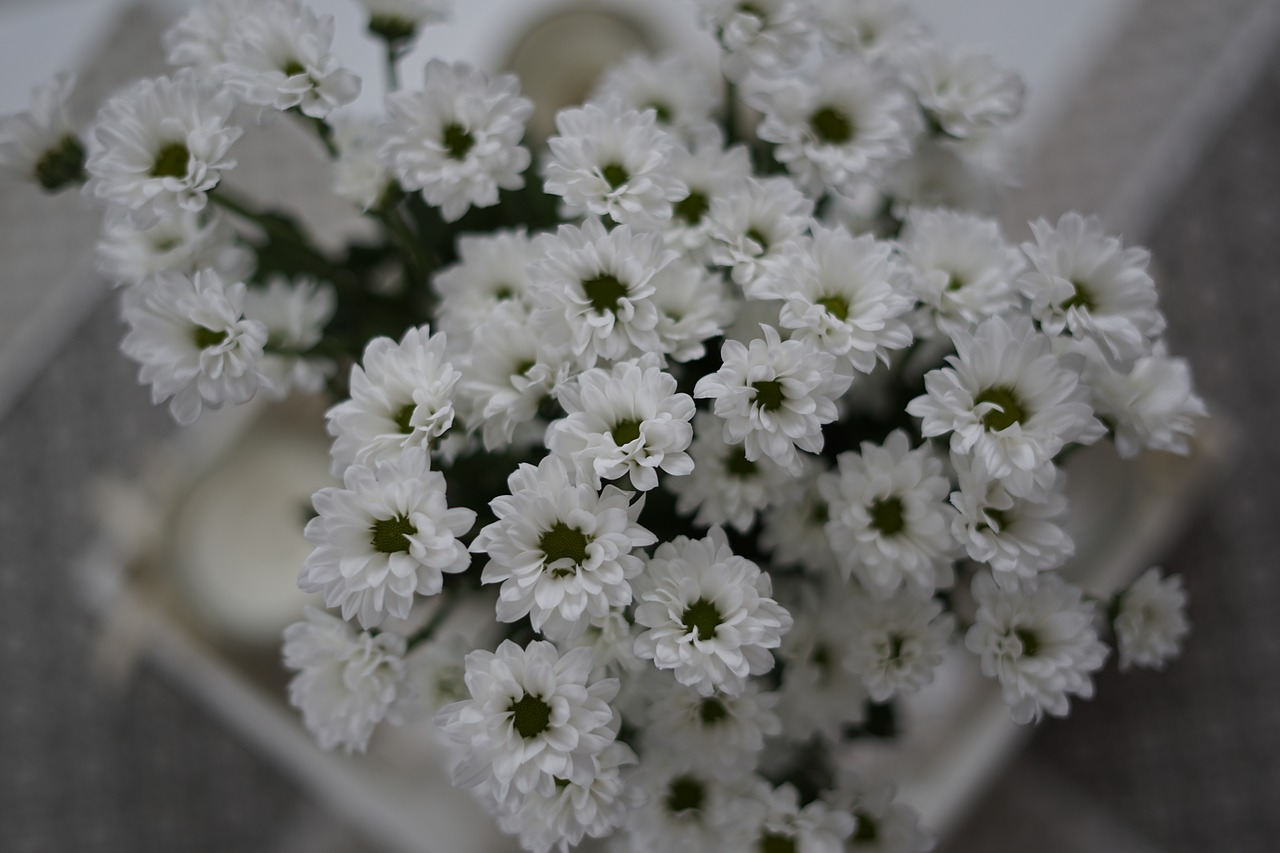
x=955, y=281
x=736, y=464
x=616, y=174
x=61, y=164
x=293, y=67
x=867, y=830
x=663, y=111
x=171, y=161
x=685, y=794
x=712, y=711
x=457, y=141
x=604, y=292
x=1008, y=413
x=563, y=542
x=626, y=432
x=837, y=306
x=896, y=642
x=391, y=535
x=701, y=616
x=404, y=416
x=391, y=28
x=758, y=237
x=531, y=716
x=772, y=842
x=205, y=338
x=692, y=207
x=886, y=516
x=1030, y=642
x=1082, y=298
x=769, y=394
x=831, y=126
x=999, y=520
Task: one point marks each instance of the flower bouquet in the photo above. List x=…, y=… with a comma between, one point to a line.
x=723, y=413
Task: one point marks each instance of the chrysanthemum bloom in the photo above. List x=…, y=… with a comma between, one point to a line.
x=897, y=645
x=387, y=535
x=401, y=396
x=779, y=822
x=180, y=242
x=199, y=38
x=1009, y=401
x=883, y=825
x=682, y=93
x=962, y=94
x=40, y=144
x=1088, y=285
x=774, y=396
x=609, y=160
x=959, y=268
x=1037, y=637
x=492, y=268
x=725, y=487
x=346, y=682
x=359, y=175
x=685, y=807
x=764, y=36
x=625, y=422
x=844, y=125
x=279, y=56
x=598, y=284
x=842, y=293
x=793, y=525
x=819, y=696
x=193, y=342
x=532, y=717
x=708, y=171
x=719, y=734
x=1151, y=621
x=753, y=227
x=295, y=314
x=876, y=29
x=693, y=307
x=457, y=139
x=562, y=552
x=399, y=20
x=889, y=517
x=161, y=142
x=709, y=613
x=1151, y=405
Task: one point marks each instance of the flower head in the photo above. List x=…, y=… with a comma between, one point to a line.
x=40, y=143
x=1151, y=621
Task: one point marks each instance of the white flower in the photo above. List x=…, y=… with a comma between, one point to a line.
x=682, y=93
x=779, y=822
x=193, y=342
x=708, y=171
x=492, y=268
x=599, y=284
x=384, y=537
x=793, y=526
x=532, y=717
x=1150, y=621
x=709, y=613
x=961, y=93
x=295, y=314
x=751, y=227
x=435, y=673
x=774, y=396
x=40, y=143
x=725, y=487
x=845, y=124
x=562, y=552
x=1089, y=285
x=199, y=38
x=1152, y=405
x=686, y=808
x=609, y=160
x=592, y=808
x=763, y=36
x=180, y=242
x=359, y=176
x=819, y=696
x=1009, y=401
x=1037, y=637
x=719, y=734
x=627, y=421
x=345, y=682
x=1019, y=536
x=398, y=20
x=611, y=639
x=889, y=517
x=401, y=396
x=898, y=644
x=693, y=307
x=883, y=826
x=842, y=293
x=160, y=142
x=458, y=138
x=279, y=56
x=960, y=268
x=874, y=28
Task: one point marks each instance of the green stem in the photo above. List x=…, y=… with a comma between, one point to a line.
x=443, y=609
x=416, y=265
x=277, y=232
x=731, y=116
x=323, y=131
x=393, y=54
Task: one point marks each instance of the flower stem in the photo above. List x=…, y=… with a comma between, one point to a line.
x=442, y=611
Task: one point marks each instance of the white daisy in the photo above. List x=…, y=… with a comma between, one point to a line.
x=774, y=396
x=599, y=284
x=764, y=36
x=562, y=552
x=160, y=142
x=960, y=268
x=457, y=139
x=819, y=695
x=199, y=38
x=401, y=396
x=1150, y=621
x=682, y=93
x=719, y=734
x=387, y=535
x=1008, y=401
x=693, y=305
x=842, y=293
x=751, y=227
x=1152, y=405
x=725, y=487
x=345, y=682
x=876, y=29
x=793, y=526
x=40, y=143
x=845, y=124
x=628, y=421
x=193, y=342
x=962, y=93
x=897, y=645
x=610, y=160
x=491, y=268
x=180, y=242
x=434, y=672
x=779, y=823
x=883, y=825
x=611, y=639
x=709, y=613
x=359, y=176
x=532, y=717
x=889, y=517
x=1087, y=284
x=1037, y=637
x=278, y=56
x=295, y=314
x=399, y=20
x=686, y=808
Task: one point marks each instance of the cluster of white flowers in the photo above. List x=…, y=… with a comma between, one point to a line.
x=677, y=404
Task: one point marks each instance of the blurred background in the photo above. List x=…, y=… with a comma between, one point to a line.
x=1162, y=116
